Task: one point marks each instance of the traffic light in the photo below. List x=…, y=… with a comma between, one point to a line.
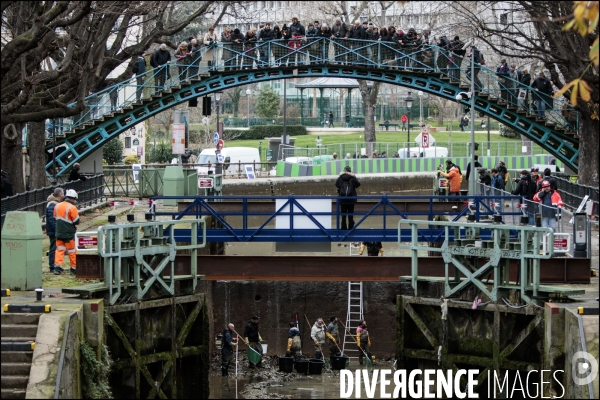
x=206, y=106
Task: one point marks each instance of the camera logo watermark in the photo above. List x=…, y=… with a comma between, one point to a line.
x=584, y=368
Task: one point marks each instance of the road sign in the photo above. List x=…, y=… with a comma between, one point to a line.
x=425, y=140
x=220, y=144
x=205, y=183
x=178, y=139
x=216, y=138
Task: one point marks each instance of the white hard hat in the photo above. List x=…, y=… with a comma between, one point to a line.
x=71, y=193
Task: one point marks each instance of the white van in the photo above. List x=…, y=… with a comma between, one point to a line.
x=420, y=152
x=232, y=158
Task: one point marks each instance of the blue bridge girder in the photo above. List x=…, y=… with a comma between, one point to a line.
x=291, y=218
x=408, y=68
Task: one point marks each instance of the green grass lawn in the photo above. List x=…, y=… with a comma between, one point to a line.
x=382, y=137
x=390, y=141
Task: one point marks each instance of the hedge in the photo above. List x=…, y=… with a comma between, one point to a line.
x=259, y=132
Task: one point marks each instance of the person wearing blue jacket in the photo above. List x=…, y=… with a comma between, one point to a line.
x=55, y=198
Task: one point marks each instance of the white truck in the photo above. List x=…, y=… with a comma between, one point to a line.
x=232, y=157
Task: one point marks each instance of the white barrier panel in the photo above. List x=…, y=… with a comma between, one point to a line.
x=562, y=243
x=86, y=242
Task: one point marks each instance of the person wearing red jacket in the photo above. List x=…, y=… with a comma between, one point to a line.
x=550, y=200
x=404, y=120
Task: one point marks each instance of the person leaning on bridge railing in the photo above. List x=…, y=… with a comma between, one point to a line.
x=313, y=46
x=210, y=39
x=182, y=60
x=139, y=69
x=266, y=34
x=250, y=40
x=357, y=33
x=160, y=61
x=339, y=32
x=457, y=54
x=195, y=58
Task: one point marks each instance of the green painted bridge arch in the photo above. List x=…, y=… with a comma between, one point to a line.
x=91, y=135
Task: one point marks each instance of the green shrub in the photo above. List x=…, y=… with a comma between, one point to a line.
x=131, y=159
x=259, y=132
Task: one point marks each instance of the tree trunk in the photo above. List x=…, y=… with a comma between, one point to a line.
x=588, y=150
x=369, y=99
x=37, y=156
x=12, y=157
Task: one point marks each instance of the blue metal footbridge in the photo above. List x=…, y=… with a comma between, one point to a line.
x=429, y=69
x=299, y=219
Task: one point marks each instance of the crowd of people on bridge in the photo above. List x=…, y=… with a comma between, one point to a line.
x=294, y=44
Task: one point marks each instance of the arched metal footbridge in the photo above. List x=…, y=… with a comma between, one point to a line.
x=430, y=69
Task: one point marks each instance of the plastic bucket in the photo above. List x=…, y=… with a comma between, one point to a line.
x=286, y=364
x=315, y=366
x=338, y=362
x=264, y=346
x=301, y=366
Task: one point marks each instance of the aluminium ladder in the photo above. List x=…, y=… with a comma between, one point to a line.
x=353, y=317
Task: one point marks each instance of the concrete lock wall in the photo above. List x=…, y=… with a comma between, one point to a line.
x=573, y=344
x=277, y=304
x=46, y=367
x=396, y=184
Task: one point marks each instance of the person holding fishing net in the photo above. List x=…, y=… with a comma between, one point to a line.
x=333, y=334
x=317, y=334
x=227, y=349
x=363, y=341
x=252, y=339
x=294, y=344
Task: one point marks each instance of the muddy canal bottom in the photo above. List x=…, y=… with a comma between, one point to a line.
x=270, y=383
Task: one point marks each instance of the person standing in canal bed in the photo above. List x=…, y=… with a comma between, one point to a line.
x=253, y=339
x=333, y=334
x=294, y=344
x=317, y=334
x=227, y=349
x=363, y=340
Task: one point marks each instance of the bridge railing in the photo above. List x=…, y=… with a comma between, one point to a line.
x=319, y=218
x=88, y=191
x=318, y=51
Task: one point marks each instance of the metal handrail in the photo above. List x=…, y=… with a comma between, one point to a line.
x=63, y=350
x=89, y=191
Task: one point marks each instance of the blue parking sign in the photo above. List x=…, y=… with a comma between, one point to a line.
x=216, y=138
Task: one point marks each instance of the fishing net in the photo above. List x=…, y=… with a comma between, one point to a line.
x=253, y=356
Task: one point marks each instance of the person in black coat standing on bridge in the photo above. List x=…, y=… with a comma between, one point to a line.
x=346, y=185
x=542, y=94
x=160, y=60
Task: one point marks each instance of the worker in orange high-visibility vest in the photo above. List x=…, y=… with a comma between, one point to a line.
x=67, y=219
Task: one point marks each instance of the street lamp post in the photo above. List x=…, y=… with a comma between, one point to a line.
x=420, y=93
x=471, y=95
x=217, y=103
x=409, y=101
x=248, y=93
